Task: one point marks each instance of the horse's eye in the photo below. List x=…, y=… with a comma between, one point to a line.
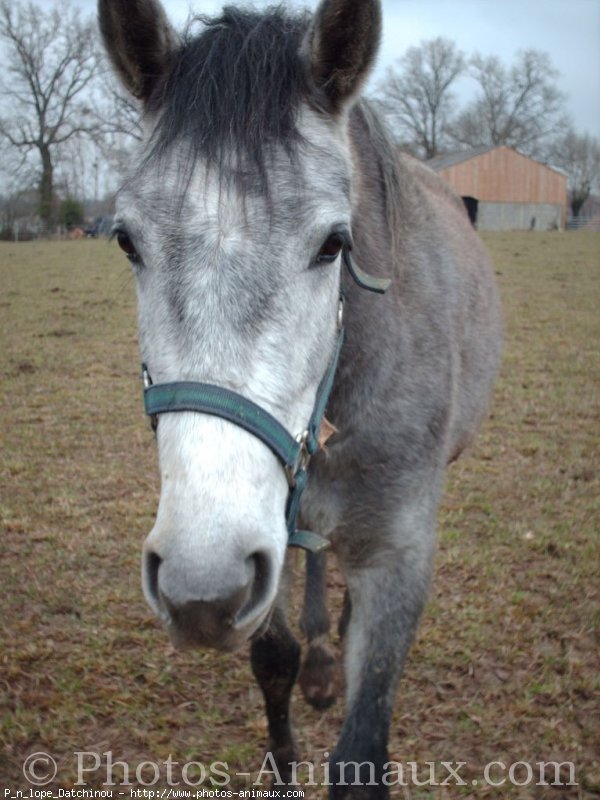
x=126, y=245
x=330, y=249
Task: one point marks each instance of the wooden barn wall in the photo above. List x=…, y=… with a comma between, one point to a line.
x=503, y=175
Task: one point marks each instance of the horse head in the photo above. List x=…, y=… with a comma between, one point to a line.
x=235, y=216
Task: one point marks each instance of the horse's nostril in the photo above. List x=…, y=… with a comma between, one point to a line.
x=260, y=568
x=152, y=562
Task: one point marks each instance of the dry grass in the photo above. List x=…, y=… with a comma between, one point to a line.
x=506, y=665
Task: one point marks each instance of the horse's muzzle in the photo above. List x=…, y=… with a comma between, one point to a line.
x=222, y=622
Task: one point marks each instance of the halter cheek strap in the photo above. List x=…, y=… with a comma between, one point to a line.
x=294, y=453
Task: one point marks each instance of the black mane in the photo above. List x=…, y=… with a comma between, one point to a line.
x=235, y=89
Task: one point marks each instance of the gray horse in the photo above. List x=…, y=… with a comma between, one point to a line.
x=264, y=187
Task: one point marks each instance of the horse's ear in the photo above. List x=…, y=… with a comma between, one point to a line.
x=139, y=41
x=341, y=45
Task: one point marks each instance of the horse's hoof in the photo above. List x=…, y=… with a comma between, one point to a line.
x=282, y=757
x=320, y=676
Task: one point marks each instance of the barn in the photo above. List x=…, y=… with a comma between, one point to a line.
x=505, y=190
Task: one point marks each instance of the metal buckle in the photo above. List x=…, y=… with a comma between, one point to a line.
x=146, y=377
x=301, y=462
x=147, y=380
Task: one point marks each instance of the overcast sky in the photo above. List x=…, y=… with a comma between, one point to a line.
x=569, y=30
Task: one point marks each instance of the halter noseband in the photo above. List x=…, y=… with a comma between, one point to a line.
x=294, y=453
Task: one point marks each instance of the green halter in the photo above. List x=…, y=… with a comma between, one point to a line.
x=294, y=453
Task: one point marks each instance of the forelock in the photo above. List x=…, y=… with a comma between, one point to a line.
x=233, y=93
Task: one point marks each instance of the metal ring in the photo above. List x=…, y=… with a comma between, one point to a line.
x=302, y=459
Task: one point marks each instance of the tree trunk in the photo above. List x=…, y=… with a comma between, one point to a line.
x=578, y=195
x=577, y=201
x=46, y=190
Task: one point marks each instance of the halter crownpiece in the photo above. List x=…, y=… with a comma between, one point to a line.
x=294, y=452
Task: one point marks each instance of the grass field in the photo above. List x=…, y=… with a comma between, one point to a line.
x=506, y=667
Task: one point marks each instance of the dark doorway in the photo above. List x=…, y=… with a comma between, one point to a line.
x=472, y=205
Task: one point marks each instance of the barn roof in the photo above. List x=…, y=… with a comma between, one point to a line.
x=445, y=160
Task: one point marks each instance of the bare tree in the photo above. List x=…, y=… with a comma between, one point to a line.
x=120, y=112
x=52, y=60
x=416, y=96
x=520, y=107
x=579, y=156
x=119, y=118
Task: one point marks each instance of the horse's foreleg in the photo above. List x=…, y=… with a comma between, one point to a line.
x=275, y=658
x=386, y=602
x=319, y=677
